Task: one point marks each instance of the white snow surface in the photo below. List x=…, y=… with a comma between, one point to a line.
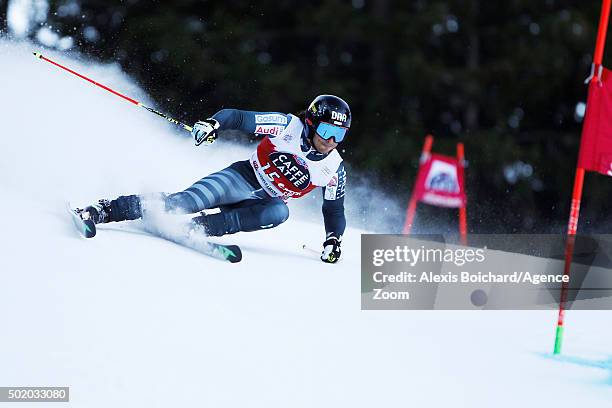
x=131, y=320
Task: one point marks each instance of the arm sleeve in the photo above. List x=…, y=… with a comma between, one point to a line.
x=333, y=204
x=262, y=123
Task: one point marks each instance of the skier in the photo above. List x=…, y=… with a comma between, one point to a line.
x=296, y=155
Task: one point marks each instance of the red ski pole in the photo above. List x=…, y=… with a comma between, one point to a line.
x=127, y=98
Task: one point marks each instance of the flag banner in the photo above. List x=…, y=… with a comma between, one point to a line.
x=440, y=182
x=596, y=142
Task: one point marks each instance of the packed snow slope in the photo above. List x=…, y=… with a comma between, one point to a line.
x=130, y=320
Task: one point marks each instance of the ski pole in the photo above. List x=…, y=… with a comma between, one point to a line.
x=135, y=102
x=311, y=250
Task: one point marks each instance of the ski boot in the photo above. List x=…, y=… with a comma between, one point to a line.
x=200, y=225
x=225, y=222
x=98, y=213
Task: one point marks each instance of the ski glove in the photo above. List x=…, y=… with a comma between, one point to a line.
x=331, y=250
x=205, y=131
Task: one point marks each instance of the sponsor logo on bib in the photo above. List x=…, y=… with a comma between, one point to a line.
x=271, y=118
x=269, y=130
x=293, y=168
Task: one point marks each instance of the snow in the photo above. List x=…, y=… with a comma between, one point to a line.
x=127, y=319
x=24, y=15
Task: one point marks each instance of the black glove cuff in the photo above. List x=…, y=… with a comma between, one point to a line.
x=331, y=241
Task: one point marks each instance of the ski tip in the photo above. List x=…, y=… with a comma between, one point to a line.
x=237, y=254
x=86, y=228
x=37, y=54
x=233, y=253
x=89, y=229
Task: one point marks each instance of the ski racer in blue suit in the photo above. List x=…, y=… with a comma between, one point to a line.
x=296, y=155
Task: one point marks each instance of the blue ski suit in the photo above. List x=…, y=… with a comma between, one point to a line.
x=245, y=204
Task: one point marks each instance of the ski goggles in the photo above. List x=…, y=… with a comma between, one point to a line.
x=327, y=131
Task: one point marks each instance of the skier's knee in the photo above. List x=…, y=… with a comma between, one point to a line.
x=252, y=217
x=275, y=214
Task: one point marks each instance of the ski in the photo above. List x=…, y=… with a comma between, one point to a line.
x=194, y=241
x=229, y=253
x=86, y=228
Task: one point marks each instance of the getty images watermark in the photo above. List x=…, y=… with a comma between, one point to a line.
x=509, y=272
